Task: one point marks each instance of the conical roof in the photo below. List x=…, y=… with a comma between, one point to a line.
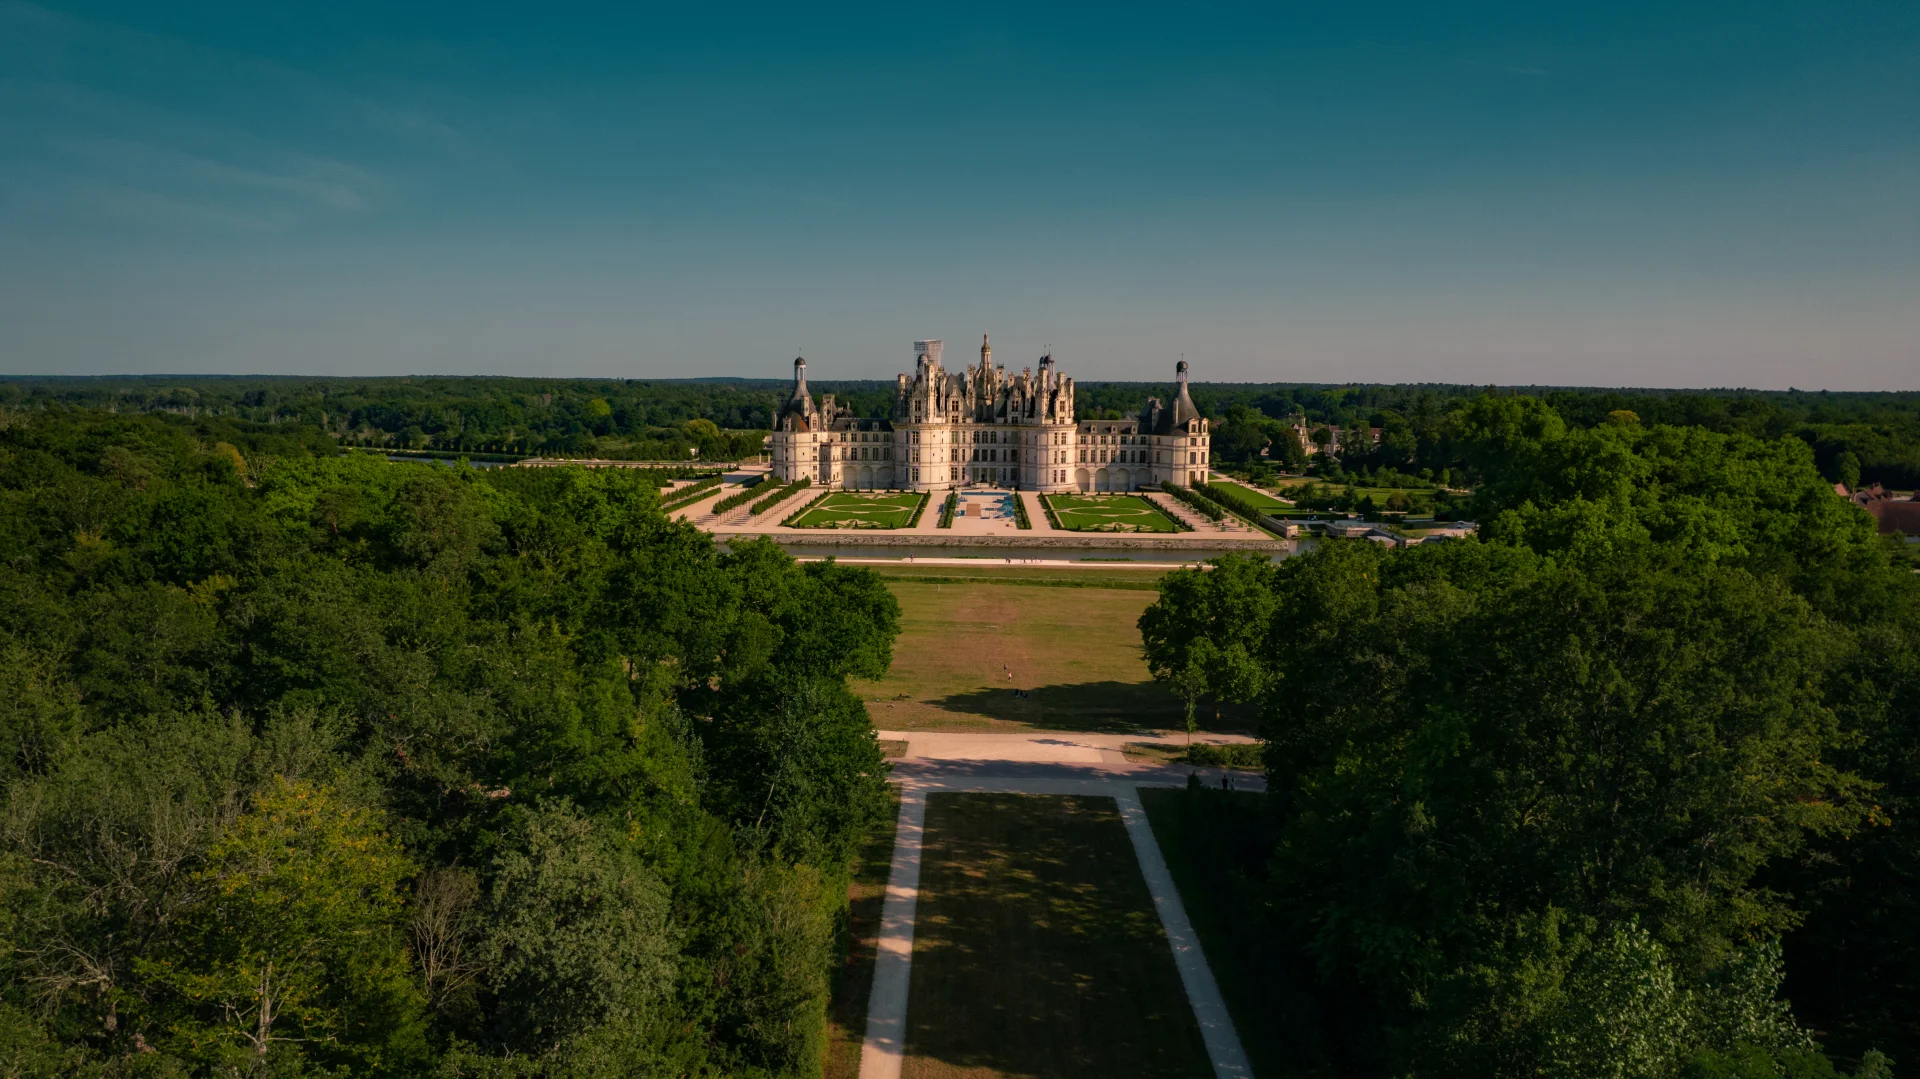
x=1183, y=407
x=799, y=403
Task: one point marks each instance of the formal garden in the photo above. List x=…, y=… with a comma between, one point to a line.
x=1108, y=513
x=860, y=509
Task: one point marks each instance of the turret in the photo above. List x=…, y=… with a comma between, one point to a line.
x=799, y=405
x=1183, y=406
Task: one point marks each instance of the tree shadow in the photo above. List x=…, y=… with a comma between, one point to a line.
x=1107, y=707
x=1037, y=951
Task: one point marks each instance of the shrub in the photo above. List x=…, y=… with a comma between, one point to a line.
x=780, y=496
x=747, y=490
x=919, y=509
x=690, y=492
x=1198, y=501
x=1235, y=755
x=812, y=502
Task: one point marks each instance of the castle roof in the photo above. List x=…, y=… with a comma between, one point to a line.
x=1167, y=420
x=799, y=404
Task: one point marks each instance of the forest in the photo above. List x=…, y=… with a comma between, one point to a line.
x=1870, y=437
x=319, y=764
x=1628, y=786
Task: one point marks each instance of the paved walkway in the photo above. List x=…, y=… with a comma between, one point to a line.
x=1031, y=764
x=1055, y=747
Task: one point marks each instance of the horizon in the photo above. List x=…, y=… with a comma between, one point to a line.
x=813, y=381
x=1647, y=196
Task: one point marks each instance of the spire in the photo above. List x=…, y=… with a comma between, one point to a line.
x=1183, y=407
x=799, y=403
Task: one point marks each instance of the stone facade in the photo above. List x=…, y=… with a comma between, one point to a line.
x=983, y=427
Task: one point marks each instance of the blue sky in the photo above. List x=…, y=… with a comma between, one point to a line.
x=1600, y=194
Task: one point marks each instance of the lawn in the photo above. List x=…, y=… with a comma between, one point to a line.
x=1075, y=652
x=859, y=938
x=1108, y=513
x=1378, y=494
x=1255, y=496
x=1216, y=844
x=1145, y=579
x=1037, y=951
x=858, y=509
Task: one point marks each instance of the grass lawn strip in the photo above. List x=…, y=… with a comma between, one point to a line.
x=856, y=509
x=1142, y=580
x=847, y=1011
x=1108, y=513
x=1037, y=949
x=1254, y=495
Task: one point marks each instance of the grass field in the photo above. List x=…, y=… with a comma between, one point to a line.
x=1378, y=494
x=1108, y=513
x=1256, y=496
x=1037, y=951
x=857, y=509
x=859, y=938
x=1076, y=652
x=1216, y=844
x=1143, y=579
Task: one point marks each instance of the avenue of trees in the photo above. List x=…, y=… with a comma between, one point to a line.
x=316, y=764
x=1600, y=792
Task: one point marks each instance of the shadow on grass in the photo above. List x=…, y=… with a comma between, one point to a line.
x=857, y=941
x=1037, y=951
x=1108, y=707
x=1217, y=845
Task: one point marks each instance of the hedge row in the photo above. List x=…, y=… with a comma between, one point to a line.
x=780, y=496
x=1052, y=518
x=747, y=492
x=1232, y=499
x=947, y=511
x=1236, y=755
x=811, y=502
x=919, y=509
x=676, y=499
x=1020, y=512
x=1238, y=503
x=1198, y=501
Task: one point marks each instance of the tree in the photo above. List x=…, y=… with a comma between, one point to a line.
x=1203, y=637
x=295, y=946
x=1846, y=470
x=577, y=933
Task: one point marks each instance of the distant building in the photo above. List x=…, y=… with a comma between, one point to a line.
x=1304, y=432
x=1890, y=514
x=983, y=426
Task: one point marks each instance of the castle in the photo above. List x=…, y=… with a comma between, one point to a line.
x=985, y=427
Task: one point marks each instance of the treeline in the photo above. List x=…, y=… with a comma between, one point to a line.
x=1871, y=437
x=1598, y=793
x=326, y=765
x=611, y=418
x=1855, y=437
